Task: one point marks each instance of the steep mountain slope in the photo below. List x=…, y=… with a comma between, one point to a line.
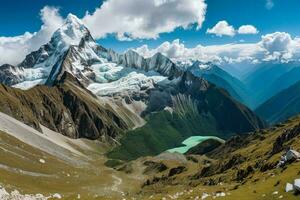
x=38, y=65
x=282, y=106
x=284, y=81
x=222, y=79
x=67, y=108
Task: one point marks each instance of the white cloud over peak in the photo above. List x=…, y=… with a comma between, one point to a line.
x=144, y=19
x=278, y=46
x=247, y=29
x=222, y=28
x=14, y=49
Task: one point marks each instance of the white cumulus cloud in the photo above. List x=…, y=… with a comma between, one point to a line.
x=222, y=28
x=14, y=49
x=144, y=19
x=247, y=29
x=278, y=46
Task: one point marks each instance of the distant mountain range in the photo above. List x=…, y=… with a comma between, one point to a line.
x=268, y=79
x=272, y=89
x=222, y=79
x=282, y=106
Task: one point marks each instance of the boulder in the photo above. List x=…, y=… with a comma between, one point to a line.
x=289, y=187
x=288, y=157
x=297, y=185
x=292, y=154
x=293, y=187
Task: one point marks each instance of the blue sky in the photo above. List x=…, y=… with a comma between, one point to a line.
x=17, y=16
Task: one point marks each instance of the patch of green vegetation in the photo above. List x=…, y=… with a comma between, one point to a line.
x=163, y=131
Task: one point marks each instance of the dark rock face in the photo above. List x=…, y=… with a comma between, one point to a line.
x=204, y=147
x=154, y=167
x=159, y=63
x=285, y=137
x=37, y=57
x=221, y=166
x=244, y=173
x=7, y=76
x=177, y=170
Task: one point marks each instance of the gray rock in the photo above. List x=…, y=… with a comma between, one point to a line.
x=297, y=185
x=289, y=187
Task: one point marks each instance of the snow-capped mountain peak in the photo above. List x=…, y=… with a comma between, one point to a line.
x=43, y=65
x=73, y=19
x=70, y=33
x=72, y=49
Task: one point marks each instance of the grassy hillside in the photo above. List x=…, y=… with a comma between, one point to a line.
x=163, y=131
x=245, y=167
x=21, y=169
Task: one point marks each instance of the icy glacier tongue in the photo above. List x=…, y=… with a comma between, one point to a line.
x=128, y=84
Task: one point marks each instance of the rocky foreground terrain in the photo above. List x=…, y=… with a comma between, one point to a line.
x=258, y=164
x=255, y=164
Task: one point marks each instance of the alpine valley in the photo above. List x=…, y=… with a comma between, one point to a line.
x=79, y=121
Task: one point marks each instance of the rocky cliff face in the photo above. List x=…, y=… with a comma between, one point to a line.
x=67, y=108
x=10, y=75
x=159, y=63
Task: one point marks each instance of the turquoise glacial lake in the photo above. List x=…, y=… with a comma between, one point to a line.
x=191, y=142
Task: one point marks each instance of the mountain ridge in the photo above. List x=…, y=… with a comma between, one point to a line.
x=282, y=106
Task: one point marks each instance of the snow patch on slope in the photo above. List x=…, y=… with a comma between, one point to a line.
x=25, y=85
